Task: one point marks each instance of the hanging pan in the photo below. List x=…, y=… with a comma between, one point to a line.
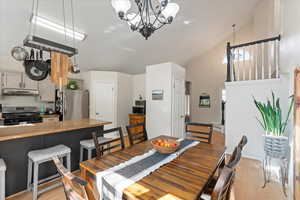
x=31, y=69
x=40, y=63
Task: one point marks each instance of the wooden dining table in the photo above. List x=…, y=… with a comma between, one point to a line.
x=184, y=178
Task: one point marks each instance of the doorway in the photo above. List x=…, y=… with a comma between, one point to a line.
x=105, y=103
x=178, y=107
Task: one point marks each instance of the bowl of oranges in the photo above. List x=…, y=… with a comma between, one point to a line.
x=165, y=146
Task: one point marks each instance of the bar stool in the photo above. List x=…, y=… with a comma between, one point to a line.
x=89, y=145
x=37, y=157
x=2, y=179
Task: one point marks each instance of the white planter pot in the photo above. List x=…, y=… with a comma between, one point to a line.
x=276, y=146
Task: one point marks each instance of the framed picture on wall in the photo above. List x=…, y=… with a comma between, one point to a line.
x=157, y=94
x=204, y=100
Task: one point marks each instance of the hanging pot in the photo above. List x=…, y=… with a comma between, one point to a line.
x=32, y=71
x=40, y=63
x=19, y=53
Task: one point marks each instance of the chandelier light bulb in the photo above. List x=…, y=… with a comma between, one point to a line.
x=134, y=19
x=164, y=2
x=170, y=11
x=150, y=15
x=121, y=6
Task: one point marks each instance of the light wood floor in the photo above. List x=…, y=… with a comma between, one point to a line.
x=247, y=186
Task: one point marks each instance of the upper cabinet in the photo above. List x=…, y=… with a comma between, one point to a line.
x=17, y=80
x=11, y=80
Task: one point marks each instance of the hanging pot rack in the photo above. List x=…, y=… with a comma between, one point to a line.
x=48, y=45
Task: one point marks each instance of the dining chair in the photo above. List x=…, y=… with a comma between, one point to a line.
x=232, y=163
x=237, y=153
x=113, y=144
x=137, y=133
x=243, y=142
x=223, y=186
x=199, y=131
x=74, y=187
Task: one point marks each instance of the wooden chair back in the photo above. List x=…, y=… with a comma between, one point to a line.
x=137, y=133
x=235, y=158
x=74, y=186
x=243, y=142
x=199, y=131
x=223, y=186
x=113, y=144
x=237, y=153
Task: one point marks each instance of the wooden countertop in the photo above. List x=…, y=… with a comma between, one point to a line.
x=17, y=132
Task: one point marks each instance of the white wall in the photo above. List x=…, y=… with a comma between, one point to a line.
x=290, y=59
x=159, y=112
x=290, y=42
x=124, y=99
x=22, y=101
x=241, y=112
x=123, y=92
x=264, y=22
x=207, y=72
x=158, y=115
x=92, y=76
x=139, y=86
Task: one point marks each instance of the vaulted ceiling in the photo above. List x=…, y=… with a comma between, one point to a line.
x=111, y=45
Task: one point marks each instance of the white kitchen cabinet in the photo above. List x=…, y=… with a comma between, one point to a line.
x=46, y=90
x=18, y=80
x=11, y=80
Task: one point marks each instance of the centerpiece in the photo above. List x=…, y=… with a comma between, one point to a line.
x=165, y=146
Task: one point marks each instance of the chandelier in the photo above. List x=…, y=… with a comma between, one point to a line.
x=150, y=16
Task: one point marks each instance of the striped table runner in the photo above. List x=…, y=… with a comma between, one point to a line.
x=113, y=181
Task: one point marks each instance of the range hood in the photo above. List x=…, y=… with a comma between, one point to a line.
x=19, y=92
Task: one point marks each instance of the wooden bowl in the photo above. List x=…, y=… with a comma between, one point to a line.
x=165, y=146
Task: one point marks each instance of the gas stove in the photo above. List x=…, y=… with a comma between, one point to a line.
x=20, y=115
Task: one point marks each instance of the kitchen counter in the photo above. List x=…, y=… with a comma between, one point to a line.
x=17, y=141
x=17, y=132
x=49, y=116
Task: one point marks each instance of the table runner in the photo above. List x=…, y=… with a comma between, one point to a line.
x=113, y=181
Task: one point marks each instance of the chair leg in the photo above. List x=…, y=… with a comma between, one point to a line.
x=69, y=161
x=35, y=180
x=29, y=175
x=89, y=154
x=81, y=154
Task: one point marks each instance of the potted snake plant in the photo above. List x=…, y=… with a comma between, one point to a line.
x=275, y=139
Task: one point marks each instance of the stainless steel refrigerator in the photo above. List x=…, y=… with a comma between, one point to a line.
x=76, y=104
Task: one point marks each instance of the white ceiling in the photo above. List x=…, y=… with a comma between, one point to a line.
x=111, y=45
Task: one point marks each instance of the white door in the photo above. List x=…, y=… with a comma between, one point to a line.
x=105, y=102
x=178, y=107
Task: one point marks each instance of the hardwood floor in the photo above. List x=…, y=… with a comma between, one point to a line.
x=247, y=186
